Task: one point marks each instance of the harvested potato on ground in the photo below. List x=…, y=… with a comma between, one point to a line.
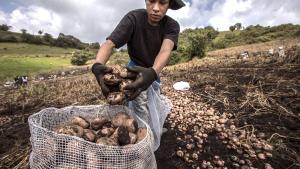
x=80, y=121
x=107, y=141
x=72, y=130
x=131, y=125
x=89, y=135
x=112, y=79
x=119, y=119
x=98, y=123
x=141, y=134
x=115, y=98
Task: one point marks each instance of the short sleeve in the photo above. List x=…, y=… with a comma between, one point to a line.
x=172, y=32
x=122, y=33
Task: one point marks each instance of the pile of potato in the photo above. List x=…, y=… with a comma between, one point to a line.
x=202, y=130
x=116, y=81
x=120, y=131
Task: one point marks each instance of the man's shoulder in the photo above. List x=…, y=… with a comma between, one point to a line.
x=137, y=12
x=170, y=21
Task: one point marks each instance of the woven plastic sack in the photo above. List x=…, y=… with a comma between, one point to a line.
x=159, y=106
x=52, y=150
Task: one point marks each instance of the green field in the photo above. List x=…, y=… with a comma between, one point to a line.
x=29, y=59
x=10, y=67
x=25, y=49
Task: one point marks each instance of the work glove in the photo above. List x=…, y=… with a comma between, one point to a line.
x=99, y=71
x=145, y=77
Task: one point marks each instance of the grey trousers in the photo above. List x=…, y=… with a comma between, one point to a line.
x=140, y=104
x=140, y=107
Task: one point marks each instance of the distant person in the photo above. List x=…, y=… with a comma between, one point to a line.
x=150, y=36
x=24, y=80
x=18, y=81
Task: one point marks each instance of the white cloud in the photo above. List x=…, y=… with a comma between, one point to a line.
x=33, y=19
x=223, y=13
x=2, y=17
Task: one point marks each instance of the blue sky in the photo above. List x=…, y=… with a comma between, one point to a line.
x=93, y=20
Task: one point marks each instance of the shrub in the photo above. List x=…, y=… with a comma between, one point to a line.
x=219, y=44
x=8, y=38
x=79, y=58
x=197, y=44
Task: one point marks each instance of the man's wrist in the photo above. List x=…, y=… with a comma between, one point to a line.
x=94, y=67
x=155, y=74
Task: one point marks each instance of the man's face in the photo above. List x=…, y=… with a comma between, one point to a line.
x=156, y=10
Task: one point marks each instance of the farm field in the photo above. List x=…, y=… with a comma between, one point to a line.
x=239, y=113
x=27, y=59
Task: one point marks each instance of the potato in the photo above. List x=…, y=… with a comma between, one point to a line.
x=119, y=119
x=107, y=141
x=98, y=123
x=72, y=130
x=116, y=70
x=89, y=135
x=106, y=132
x=80, y=121
x=124, y=83
x=127, y=74
x=141, y=134
x=133, y=138
x=115, y=98
x=123, y=136
x=131, y=125
x=112, y=79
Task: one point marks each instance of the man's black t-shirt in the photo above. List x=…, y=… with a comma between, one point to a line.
x=144, y=40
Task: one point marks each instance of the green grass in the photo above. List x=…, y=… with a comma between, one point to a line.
x=30, y=59
x=25, y=49
x=11, y=67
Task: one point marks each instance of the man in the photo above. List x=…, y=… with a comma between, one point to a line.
x=150, y=36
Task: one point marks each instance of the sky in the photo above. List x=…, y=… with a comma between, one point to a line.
x=94, y=20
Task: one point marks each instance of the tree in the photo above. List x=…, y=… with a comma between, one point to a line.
x=209, y=27
x=48, y=37
x=238, y=26
x=24, y=31
x=4, y=27
x=232, y=28
x=40, y=32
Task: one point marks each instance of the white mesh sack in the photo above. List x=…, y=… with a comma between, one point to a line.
x=52, y=150
x=159, y=107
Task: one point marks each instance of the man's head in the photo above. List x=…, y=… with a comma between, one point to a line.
x=157, y=9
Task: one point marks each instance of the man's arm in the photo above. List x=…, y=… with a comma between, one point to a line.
x=104, y=52
x=163, y=55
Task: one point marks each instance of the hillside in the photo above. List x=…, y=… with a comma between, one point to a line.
x=197, y=42
x=29, y=59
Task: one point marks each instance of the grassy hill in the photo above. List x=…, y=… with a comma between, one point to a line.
x=28, y=59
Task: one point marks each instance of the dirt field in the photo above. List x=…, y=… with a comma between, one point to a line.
x=258, y=96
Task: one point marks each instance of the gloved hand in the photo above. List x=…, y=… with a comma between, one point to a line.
x=145, y=77
x=99, y=70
